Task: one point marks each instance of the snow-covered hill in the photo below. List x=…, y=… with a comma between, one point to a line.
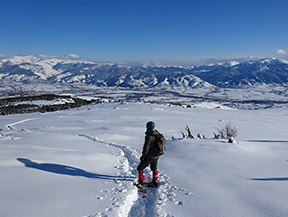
x=82, y=162
x=40, y=67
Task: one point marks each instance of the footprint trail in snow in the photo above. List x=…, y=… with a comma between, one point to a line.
x=131, y=202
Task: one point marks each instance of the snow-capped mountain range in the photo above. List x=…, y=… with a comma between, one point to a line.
x=31, y=69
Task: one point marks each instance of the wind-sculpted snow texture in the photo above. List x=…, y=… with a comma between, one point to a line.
x=82, y=162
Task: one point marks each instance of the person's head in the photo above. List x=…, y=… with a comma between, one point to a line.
x=150, y=125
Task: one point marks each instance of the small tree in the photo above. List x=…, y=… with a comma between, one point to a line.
x=228, y=131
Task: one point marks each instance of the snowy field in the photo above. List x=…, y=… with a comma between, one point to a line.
x=82, y=162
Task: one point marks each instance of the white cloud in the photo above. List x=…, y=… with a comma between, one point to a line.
x=3, y=56
x=281, y=54
x=67, y=56
x=197, y=61
x=72, y=56
x=280, y=51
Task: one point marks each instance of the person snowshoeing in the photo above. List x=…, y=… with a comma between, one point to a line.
x=149, y=155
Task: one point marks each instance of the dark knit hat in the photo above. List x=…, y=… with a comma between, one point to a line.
x=150, y=125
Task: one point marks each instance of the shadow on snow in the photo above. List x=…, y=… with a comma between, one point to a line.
x=271, y=179
x=70, y=171
x=272, y=141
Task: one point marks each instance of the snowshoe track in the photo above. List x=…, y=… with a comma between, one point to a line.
x=132, y=203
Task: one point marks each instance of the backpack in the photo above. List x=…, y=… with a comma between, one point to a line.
x=159, y=147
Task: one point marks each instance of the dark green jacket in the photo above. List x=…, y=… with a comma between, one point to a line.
x=148, y=148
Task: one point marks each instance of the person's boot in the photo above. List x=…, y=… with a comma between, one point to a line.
x=141, y=179
x=155, y=178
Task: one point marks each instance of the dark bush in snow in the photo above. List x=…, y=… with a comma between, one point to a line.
x=227, y=131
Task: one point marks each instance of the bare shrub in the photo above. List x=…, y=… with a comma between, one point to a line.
x=189, y=132
x=183, y=134
x=227, y=131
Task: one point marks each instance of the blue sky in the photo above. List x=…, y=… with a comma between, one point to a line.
x=137, y=30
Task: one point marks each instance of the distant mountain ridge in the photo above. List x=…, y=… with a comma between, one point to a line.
x=30, y=69
x=263, y=71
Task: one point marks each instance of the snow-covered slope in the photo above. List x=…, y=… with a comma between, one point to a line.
x=41, y=67
x=82, y=162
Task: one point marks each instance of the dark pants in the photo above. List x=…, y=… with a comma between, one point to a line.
x=144, y=163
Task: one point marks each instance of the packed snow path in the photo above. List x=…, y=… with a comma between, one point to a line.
x=134, y=204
